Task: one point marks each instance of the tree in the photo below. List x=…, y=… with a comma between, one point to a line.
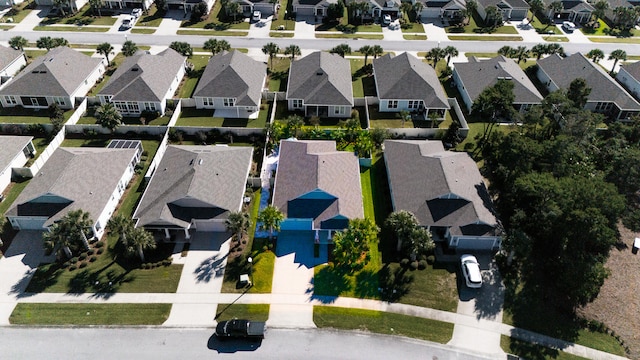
x=18, y=42
x=199, y=12
x=182, y=48
x=216, y=46
x=493, y=103
x=595, y=55
x=435, y=55
x=60, y=5
x=122, y=225
x=56, y=117
x=578, y=93
x=600, y=8
x=401, y=224
x=95, y=5
x=233, y=8
x=366, y=51
x=450, y=52
x=521, y=53
x=108, y=116
x=617, y=55
x=404, y=117
x=270, y=49
x=335, y=11
x=352, y=245
x=129, y=48
x=363, y=144
x=378, y=136
x=161, y=5
x=270, y=217
x=105, y=49
x=535, y=6
x=376, y=50
x=493, y=17
x=57, y=42
x=342, y=50
x=238, y=224
x=538, y=50
x=554, y=8
x=506, y=51
x=470, y=8
x=138, y=241
x=555, y=48
x=45, y=42
x=68, y=233
x=625, y=17
x=417, y=8
x=293, y=51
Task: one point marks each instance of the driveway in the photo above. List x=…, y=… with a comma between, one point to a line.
x=260, y=29
x=305, y=27
x=171, y=22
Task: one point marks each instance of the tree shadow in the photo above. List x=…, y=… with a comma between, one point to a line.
x=394, y=283
x=329, y=282
x=367, y=284
x=531, y=350
x=37, y=281
x=210, y=268
x=489, y=302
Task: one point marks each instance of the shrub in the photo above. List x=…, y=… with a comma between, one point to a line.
x=91, y=252
x=431, y=259
x=82, y=256
x=414, y=265
x=100, y=244
x=83, y=265
x=422, y=264
x=100, y=251
x=72, y=267
x=265, y=248
x=93, y=258
x=66, y=264
x=74, y=260
x=404, y=263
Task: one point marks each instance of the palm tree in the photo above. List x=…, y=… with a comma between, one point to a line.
x=435, y=55
x=69, y=232
x=60, y=4
x=601, y=7
x=342, y=50
x=450, y=52
x=617, y=55
x=233, y=8
x=95, y=4
x=216, y=46
x=554, y=8
x=555, y=48
x=18, y=42
x=122, y=225
x=535, y=6
x=293, y=50
x=105, y=49
x=401, y=223
x=138, y=241
x=417, y=8
x=272, y=50
x=45, y=42
x=506, y=51
x=470, y=8
x=376, y=50
x=238, y=224
x=129, y=48
x=366, y=51
x=405, y=7
x=595, y=55
x=521, y=53
x=538, y=50
x=270, y=217
x=108, y=116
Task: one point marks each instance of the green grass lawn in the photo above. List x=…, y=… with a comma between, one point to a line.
x=386, y=120
x=84, y=16
x=19, y=115
x=142, y=31
x=190, y=82
x=543, y=28
x=382, y=323
x=212, y=33
x=71, y=28
x=289, y=24
x=11, y=193
x=90, y=314
x=414, y=37
x=206, y=118
x=482, y=54
x=413, y=28
x=255, y=312
x=278, y=73
x=23, y=11
x=350, y=36
x=475, y=26
x=151, y=19
x=614, y=40
x=485, y=38
x=556, y=38
x=527, y=350
x=363, y=83
x=32, y=54
x=277, y=34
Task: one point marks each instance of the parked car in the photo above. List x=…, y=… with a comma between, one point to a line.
x=568, y=26
x=256, y=16
x=128, y=22
x=386, y=19
x=471, y=271
x=237, y=328
x=136, y=13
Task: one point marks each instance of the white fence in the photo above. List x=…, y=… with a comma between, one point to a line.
x=80, y=110
x=122, y=129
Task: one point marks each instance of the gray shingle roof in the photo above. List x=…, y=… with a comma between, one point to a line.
x=322, y=3
x=513, y=3
x=58, y=73
x=441, y=188
x=633, y=69
x=321, y=78
x=11, y=145
x=8, y=55
x=233, y=75
x=195, y=182
x=307, y=166
x=85, y=176
x=144, y=77
x=477, y=75
x=407, y=77
x=562, y=71
x=571, y=5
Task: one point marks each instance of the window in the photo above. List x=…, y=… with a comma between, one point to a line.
x=122, y=107
x=60, y=101
x=340, y=110
x=133, y=107
x=414, y=104
x=229, y=102
x=149, y=106
x=297, y=103
x=603, y=106
x=107, y=98
x=11, y=100
x=392, y=104
x=207, y=101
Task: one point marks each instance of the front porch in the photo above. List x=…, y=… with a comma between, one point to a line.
x=172, y=235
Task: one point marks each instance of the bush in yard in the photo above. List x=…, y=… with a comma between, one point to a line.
x=83, y=265
x=422, y=264
x=100, y=244
x=66, y=264
x=431, y=259
x=414, y=265
x=93, y=258
x=72, y=267
x=82, y=256
x=74, y=260
x=100, y=251
x=90, y=252
x=404, y=263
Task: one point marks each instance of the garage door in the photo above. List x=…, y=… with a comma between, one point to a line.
x=304, y=12
x=28, y=223
x=217, y=226
x=296, y=224
x=476, y=243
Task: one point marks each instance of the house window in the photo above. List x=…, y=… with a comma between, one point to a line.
x=414, y=104
x=340, y=110
x=133, y=107
x=122, y=107
x=207, y=101
x=107, y=98
x=229, y=102
x=149, y=106
x=11, y=100
x=60, y=101
x=392, y=104
x=297, y=103
x=603, y=106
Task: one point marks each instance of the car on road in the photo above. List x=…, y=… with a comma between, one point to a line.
x=568, y=26
x=238, y=328
x=128, y=22
x=386, y=19
x=136, y=13
x=256, y=16
x=471, y=271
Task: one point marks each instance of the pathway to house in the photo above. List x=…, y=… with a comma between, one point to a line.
x=171, y=22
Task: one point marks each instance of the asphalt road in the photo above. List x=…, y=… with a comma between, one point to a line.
x=167, y=343
x=316, y=44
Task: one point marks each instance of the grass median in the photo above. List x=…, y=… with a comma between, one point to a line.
x=90, y=314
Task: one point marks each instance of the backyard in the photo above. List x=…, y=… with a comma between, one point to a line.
x=207, y=118
x=20, y=115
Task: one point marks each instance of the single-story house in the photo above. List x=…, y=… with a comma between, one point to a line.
x=16, y=151
x=122, y=4
x=91, y=179
x=317, y=8
x=405, y=82
x=577, y=11
x=320, y=85
x=444, y=9
x=445, y=192
x=629, y=77
x=606, y=97
x=194, y=187
x=266, y=7
x=59, y=76
x=187, y=5
x=11, y=61
x=509, y=9
x=144, y=82
x=317, y=187
x=473, y=77
x=378, y=8
x=614, y=4
x=71, y=5
x=231, y=84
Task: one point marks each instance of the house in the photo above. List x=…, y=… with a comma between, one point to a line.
x=16, y=151
x=445, y=192
x=405, y=82
x=11, y=61
x=606, y=97
x=266, y=7
x=473, y=77
x=58, y=77
x=443, y=9
x=317, y=8
x=320, y=85
x=614, y=4
x=91, y=179
x=188, y=5
x=144, y=82
x=70, y=6
x=231, y=84
x=378, y=8
x=194, y=188
x=509, y=9
x=629, y=77
x=576, y=11
x=317, y=187
x=133, y=4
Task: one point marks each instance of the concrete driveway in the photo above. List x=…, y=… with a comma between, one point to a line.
x=305, y=27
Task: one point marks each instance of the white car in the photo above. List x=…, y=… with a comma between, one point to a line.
x=136, y=13
x=471, y=271
x=256, y=16
x=386, y=19
x=128, y=22
x=568, y=26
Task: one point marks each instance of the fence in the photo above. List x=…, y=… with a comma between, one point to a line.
x=122, y=129
x=274, y=95
x=464, y=126
x=80, y=110
x=29, y=172
x=178, y=110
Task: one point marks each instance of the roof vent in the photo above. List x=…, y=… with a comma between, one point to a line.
x=319, y=72
x=200, y=161
x=135, y=69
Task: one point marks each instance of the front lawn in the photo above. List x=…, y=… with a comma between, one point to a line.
x=350, y=36
x=363, y=83
x=543, y=28
x=18, y=12
x=71, y=28
x=151, y=19
x=280, y=20
x=218, y=18
x=382, y=323
x=485, y=38
x=253, y=312
x=85, y=16
x=90, y=314
x=476, y=26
